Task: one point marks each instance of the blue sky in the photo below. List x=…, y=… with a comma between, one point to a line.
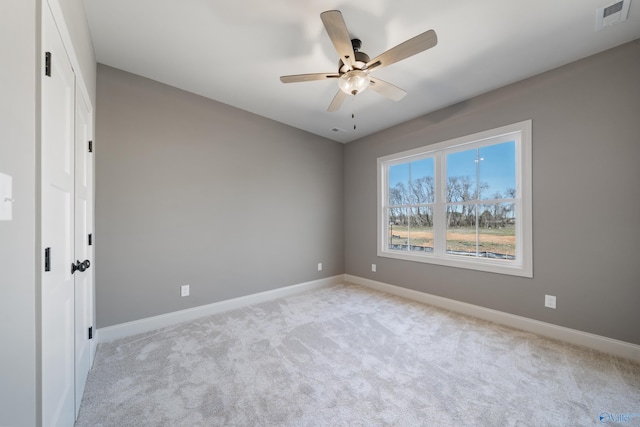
x=497, y=168
x=419, y=169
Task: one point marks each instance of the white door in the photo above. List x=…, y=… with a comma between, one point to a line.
x=57, y=293
x=83, y=244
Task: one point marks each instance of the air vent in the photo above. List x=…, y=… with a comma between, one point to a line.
x=612, y=14
x=614, y=8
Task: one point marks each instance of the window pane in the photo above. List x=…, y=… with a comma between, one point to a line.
x=497, y=231
x=421, y=229
x=422, y=190
x=497, y=171
x=462, y=176
x=461, y=230
x=399, y=184
x=398, y=229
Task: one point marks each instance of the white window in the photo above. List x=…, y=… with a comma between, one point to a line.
x=463, y=203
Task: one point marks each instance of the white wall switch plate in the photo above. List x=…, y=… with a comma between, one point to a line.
x=319, y=266
x=373, y=268
x=550, y=301
x=6, y=197
x=184, y=290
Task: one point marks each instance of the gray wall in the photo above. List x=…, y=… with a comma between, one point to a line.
x=18, y=35
x=192, y=191
x=586, y=177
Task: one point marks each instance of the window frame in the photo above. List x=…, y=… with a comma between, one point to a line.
x=523, y=265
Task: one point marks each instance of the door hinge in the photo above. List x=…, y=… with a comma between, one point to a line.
x=91, y=146
x=47, y=259
x=91, y=332
x=90, y=239
x=47, y=64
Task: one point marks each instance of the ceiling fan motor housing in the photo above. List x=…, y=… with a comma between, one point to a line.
x=361, y=58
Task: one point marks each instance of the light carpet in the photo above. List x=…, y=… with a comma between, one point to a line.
x=349, y=356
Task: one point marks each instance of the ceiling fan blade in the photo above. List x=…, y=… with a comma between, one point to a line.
x=337, y=101
x=404, y=50
x=339, y=35
x=387, y=89
x=308, y=77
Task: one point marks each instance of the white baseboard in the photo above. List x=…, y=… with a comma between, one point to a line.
x=573, y=336
x=122, y=330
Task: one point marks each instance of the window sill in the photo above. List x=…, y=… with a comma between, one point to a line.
x=470, y=263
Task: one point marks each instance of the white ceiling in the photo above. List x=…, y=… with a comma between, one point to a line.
x=235, y=51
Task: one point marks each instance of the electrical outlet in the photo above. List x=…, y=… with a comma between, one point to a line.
x=550, y=301
x=373, y=268
x=319, y=266
x=184, y=290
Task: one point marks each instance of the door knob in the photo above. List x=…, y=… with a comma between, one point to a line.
x=80, y=266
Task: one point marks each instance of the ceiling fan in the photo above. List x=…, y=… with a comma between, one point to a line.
x=354, y=67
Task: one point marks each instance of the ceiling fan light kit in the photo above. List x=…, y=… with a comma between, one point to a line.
x=354, y=67
x=353, y=82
